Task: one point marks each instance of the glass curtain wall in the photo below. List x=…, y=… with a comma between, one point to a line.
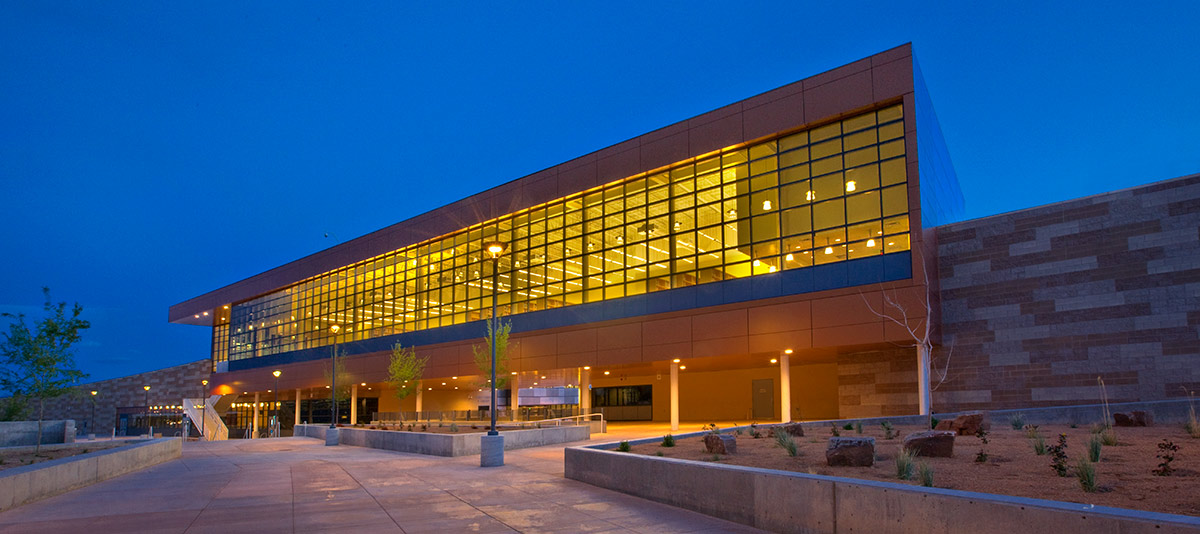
x=829, y=194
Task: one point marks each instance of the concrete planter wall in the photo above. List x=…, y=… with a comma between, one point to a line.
x=29, y=483
x=445, y=444
x=782, y=501
x=22, y=433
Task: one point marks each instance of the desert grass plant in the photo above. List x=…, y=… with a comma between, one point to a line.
x=668, y=441
x=1017, y=421
x=1058, y=456
x=889, y=432
x=1039, y=444
x=454, y=427
x=982, y=455
x=933, y=422
x=658, y=453
x=1094, y=445
x=905, y=464
x=1192, y=426
x=1108, y=419
x=624, y=447
x=925, y=474
x=754, y=433
x=1166, y=453
x=712, y=428
x=783, y=439
x=858, y=429
x=1031, y=431
x=833, y=430
x=1108, y=437
x=848, y=426
x=1085, y=471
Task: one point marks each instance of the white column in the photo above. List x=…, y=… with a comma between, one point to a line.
x=514, y=387
x=585, y=392
x=785, y=387
x=254, y=424
x=924, y=394
x=297, y=406
x=353, y=403
x=420, y=392
x=674, y=396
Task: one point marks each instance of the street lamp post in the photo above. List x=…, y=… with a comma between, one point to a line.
x=275, y=418
x=92, y=423
x=203, y=409
x=148, y=425
x=491, y=446
x=333, y=373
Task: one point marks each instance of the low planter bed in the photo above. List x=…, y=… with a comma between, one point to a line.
x=28, y=483
x=11, y=457
x=762, y=485
x=441, y=441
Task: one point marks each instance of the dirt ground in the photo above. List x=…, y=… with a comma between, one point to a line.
x=433, y=428
x=19, y=456
x=1013, y=468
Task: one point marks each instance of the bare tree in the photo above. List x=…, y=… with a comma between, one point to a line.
x=920, y=329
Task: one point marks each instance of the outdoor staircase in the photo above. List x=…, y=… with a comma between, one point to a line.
x=211, y=425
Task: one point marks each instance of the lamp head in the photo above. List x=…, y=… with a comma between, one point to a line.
x=147, y=388
x=495, y=248
x=335, y=328
x=94, y=393
x=277, y=372
x=204, y=382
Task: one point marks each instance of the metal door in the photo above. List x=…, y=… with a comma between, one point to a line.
x=763, y=395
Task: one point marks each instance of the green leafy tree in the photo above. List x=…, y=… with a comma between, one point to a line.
x=483, y=356
x=38, y=361
x=404, y=371
x=14, y=408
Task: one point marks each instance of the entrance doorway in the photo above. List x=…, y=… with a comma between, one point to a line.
x=763, y=396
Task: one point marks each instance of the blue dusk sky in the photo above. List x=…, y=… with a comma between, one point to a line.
x=153, y=151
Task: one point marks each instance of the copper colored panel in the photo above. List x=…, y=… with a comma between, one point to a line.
x=858, y=334
x=773, y=117
x=534, y=346
x=666, y=351
x=578, y=359
x=849, y=69
x=893, y=79
x=674, y=330
x=619, y=165
x=540, y=363
x=619, y=336
x=846, y=310
x=665, y=151
x=619, y=356
x=780, y=317
x=578, y=179
x=888, y=56
x=720, y=324
x=583, y=340
x=780, y=341
x=838, y=96
x=715, y=135
x=720, y=347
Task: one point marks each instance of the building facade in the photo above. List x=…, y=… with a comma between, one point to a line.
x=770, y=231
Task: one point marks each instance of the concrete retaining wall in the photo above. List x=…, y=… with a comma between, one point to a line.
x=29, y=483
x=781, y=501
x=445, y=444
x=22, y=433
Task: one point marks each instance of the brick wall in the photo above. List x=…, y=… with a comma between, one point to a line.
x=167, y=387
x=1039, y=302
x=877, y=383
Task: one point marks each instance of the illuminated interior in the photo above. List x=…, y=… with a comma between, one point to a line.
x=824, y=195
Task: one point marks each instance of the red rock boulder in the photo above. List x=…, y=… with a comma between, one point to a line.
x=853, y=452
x=720, y=443
x=1134, y=418
x=939, y=443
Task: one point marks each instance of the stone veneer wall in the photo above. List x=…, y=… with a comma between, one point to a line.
x=167, y=386
x=1040, y=302
x=877, y=383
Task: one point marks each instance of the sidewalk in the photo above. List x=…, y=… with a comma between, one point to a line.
x=299, y=485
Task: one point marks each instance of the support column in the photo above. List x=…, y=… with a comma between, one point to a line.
x=420, y=392
x=254, y=423
x=675, y=395
x=297, y=406
x=514, y=387
x=785, y=387
x=585, y=392
x=353, y=404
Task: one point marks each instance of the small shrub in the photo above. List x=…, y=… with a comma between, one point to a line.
x=783, y=439
x=439, y=424
x=1017, y=421
x=982, y=455
x=1192, y=426
x=1058, y=456
x=858, y=427
x=1108, y=437
x=1096, y=428
x=658, y=453
x=711, y=428
x=371, y=427
x=737, y=431
x=424, y=428
x=1031, y=431
x=833, y=430
x=933, y=422
x=888, y=431
x=624, y=447
x=1093, y=448
x=716, y=457
x=1074, y=425
x=668, y=441
x=904, y=464
x=754, y=433
x=1086, y=472
x=454, y=427
x=1166, y=453
x=925, y=473
x=1039, y=444
x=848, y=426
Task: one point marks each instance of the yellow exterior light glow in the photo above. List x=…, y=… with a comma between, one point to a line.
x=495, y=249
x=587, y=368
x=870, y=242
x=277, y=372
x=787, y=351
x=850, y=186
x=94, y=393
x=364, y=384
x=766, y=205
x=682, y=367
x=606, y=373
x=676, y=360
x=829, y=250
x=789, y=257
x=774, y=360
x=756, y=263
x=204, y=382
x=147, y=388
x=335, y=328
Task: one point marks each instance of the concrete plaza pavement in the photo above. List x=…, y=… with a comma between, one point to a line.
x=300, y=485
